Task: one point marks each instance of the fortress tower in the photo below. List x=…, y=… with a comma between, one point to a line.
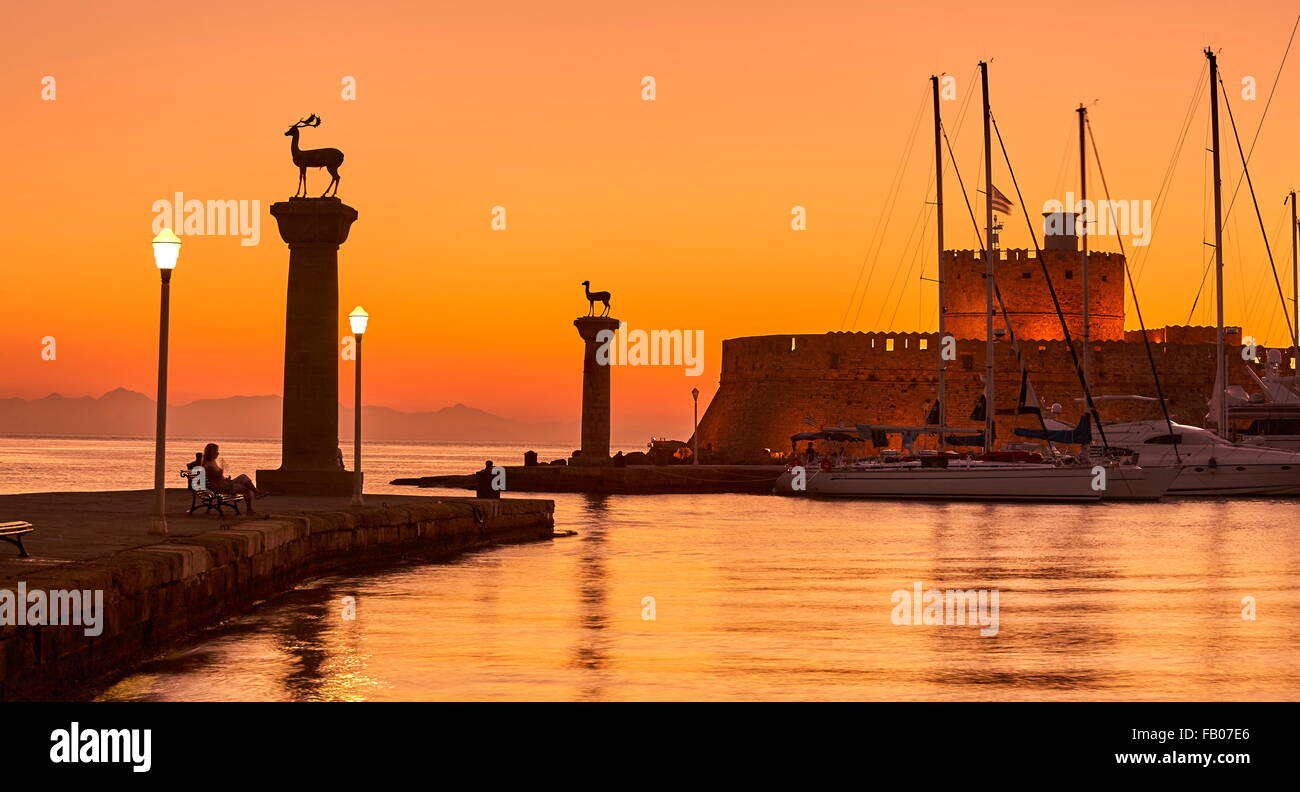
x=1028, y=301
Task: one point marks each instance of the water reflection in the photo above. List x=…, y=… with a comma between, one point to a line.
x=590, y=650
x=772, y=598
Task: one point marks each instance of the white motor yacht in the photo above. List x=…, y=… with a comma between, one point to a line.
x=1206, y=463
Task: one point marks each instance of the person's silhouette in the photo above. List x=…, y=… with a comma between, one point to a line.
x=483, y=482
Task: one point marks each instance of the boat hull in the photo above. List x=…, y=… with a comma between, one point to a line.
x=1034, y=484
x=1227, y=480
x=1139, y=483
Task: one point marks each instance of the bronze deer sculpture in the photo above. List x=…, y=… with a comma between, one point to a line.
x=328, y=158
x=595, y=297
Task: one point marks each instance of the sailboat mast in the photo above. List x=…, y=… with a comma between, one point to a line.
x=1083, y=238
x=938, y=203
x=1295, y=284
x=1221, y=361
x=988, y=262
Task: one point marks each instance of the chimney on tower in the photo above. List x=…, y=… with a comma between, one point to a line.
x=1060, y=231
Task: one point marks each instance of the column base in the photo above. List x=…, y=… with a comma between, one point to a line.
x=321, y=483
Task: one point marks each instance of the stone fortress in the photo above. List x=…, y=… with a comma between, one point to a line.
x=774, y=386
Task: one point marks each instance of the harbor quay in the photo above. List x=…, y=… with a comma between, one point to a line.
x=150, y=595
x=630, y=480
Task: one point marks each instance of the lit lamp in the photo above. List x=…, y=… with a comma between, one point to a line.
x=695, y=437
x=166, y=249
x=358, y=319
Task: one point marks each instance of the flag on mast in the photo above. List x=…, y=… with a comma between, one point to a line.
x=1000, y=202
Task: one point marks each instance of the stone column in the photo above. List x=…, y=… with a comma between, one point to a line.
x=314, y=228
x=595, y=390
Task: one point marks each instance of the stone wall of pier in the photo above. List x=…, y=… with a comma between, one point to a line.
x=157, y=595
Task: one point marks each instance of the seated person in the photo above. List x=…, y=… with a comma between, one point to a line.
x=219, y=482
x=483, y=482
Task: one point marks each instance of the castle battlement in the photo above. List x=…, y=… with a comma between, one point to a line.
x=1028, y=300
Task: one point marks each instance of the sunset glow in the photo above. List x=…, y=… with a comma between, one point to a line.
x=679, y=206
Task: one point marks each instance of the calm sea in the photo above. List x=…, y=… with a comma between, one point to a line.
x=751, y=597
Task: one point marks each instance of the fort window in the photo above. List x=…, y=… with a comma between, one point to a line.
x=889, y=345
x=1105, y=278
x=924, y=344
x=968, y=362
x=1069, y=274
x=1026, y=274
x=792, y=343
x=835, y=360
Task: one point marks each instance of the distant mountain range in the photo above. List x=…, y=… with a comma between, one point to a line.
x=125, y=412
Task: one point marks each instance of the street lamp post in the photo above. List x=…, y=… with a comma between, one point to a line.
x=695, y=437
x=166, y=249
x=358, y=319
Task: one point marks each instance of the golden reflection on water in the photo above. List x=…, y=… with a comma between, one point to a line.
x=774, y=598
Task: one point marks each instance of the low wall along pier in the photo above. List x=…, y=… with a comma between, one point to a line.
x=630, y=480
x=157, y=593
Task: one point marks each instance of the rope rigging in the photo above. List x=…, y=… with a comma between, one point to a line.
x=1245, y=169
x=1146, y=341
x=1051, y=288
x=1246, y=158
x=878, y=235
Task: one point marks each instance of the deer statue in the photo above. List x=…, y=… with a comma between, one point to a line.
x=595, y=297
x=327, y=158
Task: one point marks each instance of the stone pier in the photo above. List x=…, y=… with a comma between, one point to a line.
x=156, y=594
x=595, y=390
x=314, y=228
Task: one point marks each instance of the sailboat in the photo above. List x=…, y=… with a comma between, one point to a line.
x=1266, y=462
x=993, y=475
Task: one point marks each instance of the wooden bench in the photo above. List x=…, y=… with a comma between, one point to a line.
x=13, y=533
x=203, y=498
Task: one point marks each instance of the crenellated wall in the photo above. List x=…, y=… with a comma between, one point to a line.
x=770, y=384
x=1028, y=301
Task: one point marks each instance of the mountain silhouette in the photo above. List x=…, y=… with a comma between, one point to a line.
x=126, y=412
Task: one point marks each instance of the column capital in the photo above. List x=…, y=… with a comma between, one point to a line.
x=589, y=326
x=313, y=221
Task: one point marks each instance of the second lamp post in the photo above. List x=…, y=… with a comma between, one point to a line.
x=358, y=319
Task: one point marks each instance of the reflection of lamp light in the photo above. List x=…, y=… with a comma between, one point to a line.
x=358, y=319
x=166, y=249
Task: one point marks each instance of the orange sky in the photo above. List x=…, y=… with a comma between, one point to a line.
x=680, y=206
